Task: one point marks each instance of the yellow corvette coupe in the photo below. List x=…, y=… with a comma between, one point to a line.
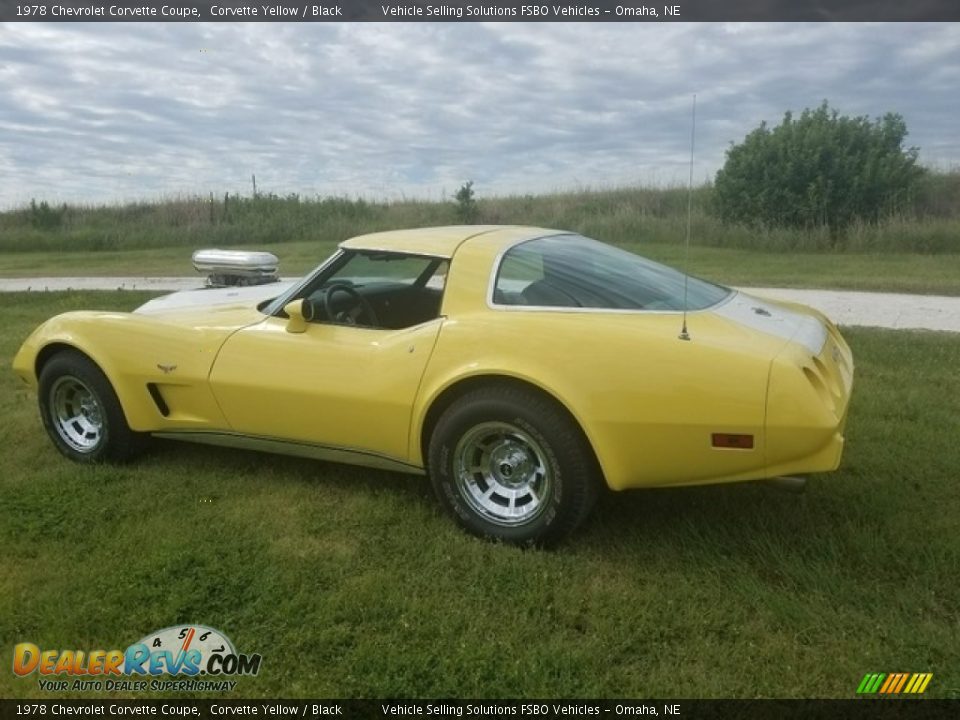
x=522, y=369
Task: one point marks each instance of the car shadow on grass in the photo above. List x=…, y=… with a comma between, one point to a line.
x=251, y=465
x=741, y=514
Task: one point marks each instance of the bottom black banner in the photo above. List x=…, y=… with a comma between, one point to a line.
x=691, y=709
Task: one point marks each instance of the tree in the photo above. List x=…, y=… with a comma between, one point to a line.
x=821, y=169
x=466, y=203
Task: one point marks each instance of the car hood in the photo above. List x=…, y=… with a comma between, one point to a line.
x=213, y=298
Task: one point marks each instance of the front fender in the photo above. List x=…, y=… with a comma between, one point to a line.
x=135, y=351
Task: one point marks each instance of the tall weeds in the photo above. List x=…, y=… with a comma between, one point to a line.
x=623, y=216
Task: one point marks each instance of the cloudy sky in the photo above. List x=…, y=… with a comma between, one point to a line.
x=107, y=112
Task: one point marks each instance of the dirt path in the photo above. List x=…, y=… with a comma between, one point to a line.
x=871, y=309
x=886, y=310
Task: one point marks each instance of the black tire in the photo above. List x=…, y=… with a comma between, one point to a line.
x=81, y=412
x=508, y=464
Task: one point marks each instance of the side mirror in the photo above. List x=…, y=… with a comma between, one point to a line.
x=297, y=322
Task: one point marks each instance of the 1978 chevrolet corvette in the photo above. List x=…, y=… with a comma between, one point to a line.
x=521, y=368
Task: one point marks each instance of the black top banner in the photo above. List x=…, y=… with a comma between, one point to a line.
x=479, y=11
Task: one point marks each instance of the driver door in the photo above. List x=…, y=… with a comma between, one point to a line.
x=339, y=386
x=347, y=379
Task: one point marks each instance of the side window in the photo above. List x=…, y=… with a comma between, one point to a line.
x=378, y=290
x=438, y=281
x=571, y=271
x=520, y=268
x=534, y=274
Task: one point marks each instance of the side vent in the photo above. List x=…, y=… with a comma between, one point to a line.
x=158, y=399
x=828, y=398
x=829, y=377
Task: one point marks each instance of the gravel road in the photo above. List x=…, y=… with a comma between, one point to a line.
x=886, y=310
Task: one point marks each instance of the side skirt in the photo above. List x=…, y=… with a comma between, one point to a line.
x=348, y=456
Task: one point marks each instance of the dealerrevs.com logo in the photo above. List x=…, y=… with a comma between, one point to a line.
x=181, y=651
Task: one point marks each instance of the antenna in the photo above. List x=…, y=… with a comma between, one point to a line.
x=684, y=335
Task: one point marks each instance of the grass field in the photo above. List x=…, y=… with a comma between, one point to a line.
x=928, y=223
x=890, y=272
x=916, y=251
x=350, y=582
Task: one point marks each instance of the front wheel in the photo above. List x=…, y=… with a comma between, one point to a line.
x=508, y=464
x=81, y=412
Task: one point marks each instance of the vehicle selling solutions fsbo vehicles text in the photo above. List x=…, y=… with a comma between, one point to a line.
x=478, y=11
x=525, y=11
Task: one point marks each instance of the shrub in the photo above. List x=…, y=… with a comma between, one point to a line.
x=821, y=169
x=44, y=217
x=466, y=203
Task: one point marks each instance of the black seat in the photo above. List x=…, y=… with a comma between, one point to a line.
x=543, y=293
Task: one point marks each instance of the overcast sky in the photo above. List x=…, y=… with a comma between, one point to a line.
x=107, y=112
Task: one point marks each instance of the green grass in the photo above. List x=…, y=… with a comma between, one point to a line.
x=930, y=223
x=916, y=251
x=891, y=272
x=350, y=582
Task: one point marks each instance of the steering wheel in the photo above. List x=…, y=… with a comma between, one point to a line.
x=358, y=312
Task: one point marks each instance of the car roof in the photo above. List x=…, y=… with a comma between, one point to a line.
x=442, y=241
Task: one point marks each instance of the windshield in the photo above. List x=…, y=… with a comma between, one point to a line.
x=574, y=271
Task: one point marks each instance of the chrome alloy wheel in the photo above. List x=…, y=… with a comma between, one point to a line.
x=76, y=414
x=502, y=473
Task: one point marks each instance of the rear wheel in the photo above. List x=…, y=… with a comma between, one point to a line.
x=81, y=412
x=508, y=464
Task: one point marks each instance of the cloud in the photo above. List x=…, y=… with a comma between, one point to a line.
x=113, y=111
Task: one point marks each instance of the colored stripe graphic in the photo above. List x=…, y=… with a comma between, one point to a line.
x=866, y=683
x=894, y=683
x=891, y=679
